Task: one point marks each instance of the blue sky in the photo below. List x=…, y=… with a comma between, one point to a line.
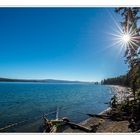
x=59, y=43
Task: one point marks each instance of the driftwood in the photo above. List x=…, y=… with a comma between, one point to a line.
x=83, y=128
x=80, y=127
x=98, y=116
x=52, y=125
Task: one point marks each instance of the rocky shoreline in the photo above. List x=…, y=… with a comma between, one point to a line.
x=105, y=125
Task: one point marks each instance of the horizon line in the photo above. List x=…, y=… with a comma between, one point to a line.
x=46, y=79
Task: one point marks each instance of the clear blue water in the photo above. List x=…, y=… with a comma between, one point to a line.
x=29, y=101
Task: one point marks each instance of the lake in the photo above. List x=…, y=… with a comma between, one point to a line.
x=25, y=103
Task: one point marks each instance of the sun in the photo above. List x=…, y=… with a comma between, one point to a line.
x=126, y=38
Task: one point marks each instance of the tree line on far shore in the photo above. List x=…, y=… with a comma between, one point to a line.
x=120, y=80
x=131, y=79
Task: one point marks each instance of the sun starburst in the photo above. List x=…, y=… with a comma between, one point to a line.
x=125, y=37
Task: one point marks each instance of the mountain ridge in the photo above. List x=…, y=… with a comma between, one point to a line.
x=41, y=80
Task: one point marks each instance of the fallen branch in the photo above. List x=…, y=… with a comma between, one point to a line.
x=76, y=126
x=98, y=116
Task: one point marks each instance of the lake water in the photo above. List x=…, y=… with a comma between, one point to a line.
x=25, y=103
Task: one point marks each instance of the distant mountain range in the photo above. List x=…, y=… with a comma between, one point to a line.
x=42, y=81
